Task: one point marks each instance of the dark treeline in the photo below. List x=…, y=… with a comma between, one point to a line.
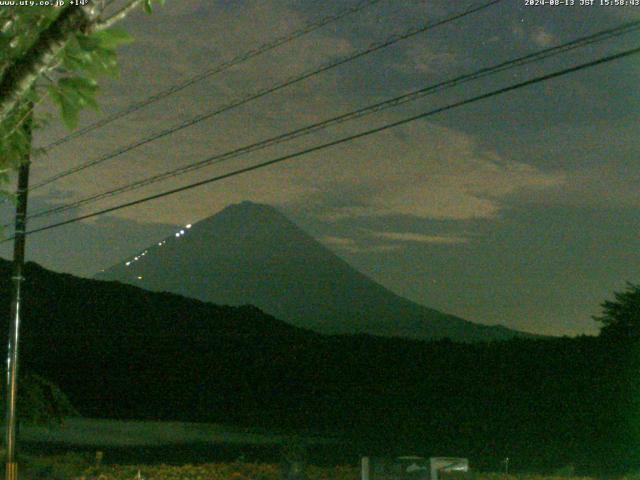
x=121, y=352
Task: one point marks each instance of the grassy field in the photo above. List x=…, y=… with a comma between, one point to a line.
x=79, y=467
x=218, y=471
x=93, y=432
x=231, y=471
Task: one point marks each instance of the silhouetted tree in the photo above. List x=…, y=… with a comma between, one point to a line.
x=621, y=317
x=40, y=402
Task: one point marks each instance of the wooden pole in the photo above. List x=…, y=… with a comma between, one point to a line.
x=11, y=471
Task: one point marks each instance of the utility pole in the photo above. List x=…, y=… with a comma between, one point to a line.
x=11, y=470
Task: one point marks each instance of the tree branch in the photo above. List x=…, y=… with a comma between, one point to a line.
x=117, y=16
x=22, y=73
x=20, y=76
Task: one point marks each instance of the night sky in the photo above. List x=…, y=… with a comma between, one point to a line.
x=522, y=209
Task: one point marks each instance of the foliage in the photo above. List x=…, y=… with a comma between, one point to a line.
x=503, y=476
x=148, y=5
x=620, y=318
x=40, y=402
x=79, y=467
x=258, y=471
x=56, y=467
x=566, y=471
x=69, y=80
x=216, y=471
x=294, y=449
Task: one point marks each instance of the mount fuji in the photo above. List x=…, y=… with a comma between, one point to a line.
x=252, y=254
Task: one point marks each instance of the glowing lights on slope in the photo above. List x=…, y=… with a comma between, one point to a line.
x=178, y=234
x=181, y=232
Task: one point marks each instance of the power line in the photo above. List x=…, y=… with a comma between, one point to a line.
x=243, y=57
x=396, y=101
x=266, y=91
x=602, y=60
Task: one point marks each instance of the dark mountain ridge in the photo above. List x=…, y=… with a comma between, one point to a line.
x=252, y=254
x=122, y=352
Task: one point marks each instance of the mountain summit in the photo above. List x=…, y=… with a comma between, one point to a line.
x=252, y=254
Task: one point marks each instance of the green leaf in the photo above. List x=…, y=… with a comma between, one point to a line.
x=108, y=39
x=69, y=108
x=79, y=84
x=88, y=42
x=94, y=61
x=5, y=40
x=103, y=62
x=80, y=90
x=112, y=38
x=147, y=6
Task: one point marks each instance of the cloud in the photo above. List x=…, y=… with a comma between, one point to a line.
x=391, y=241
x=543, y=38
x=421, y=238
x=350, y=245
x=338, y=241
x=421, y=169
x=425, y=171
x=426, y=60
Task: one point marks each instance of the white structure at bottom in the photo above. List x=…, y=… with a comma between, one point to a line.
x=410, y=468
x=447, y=464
